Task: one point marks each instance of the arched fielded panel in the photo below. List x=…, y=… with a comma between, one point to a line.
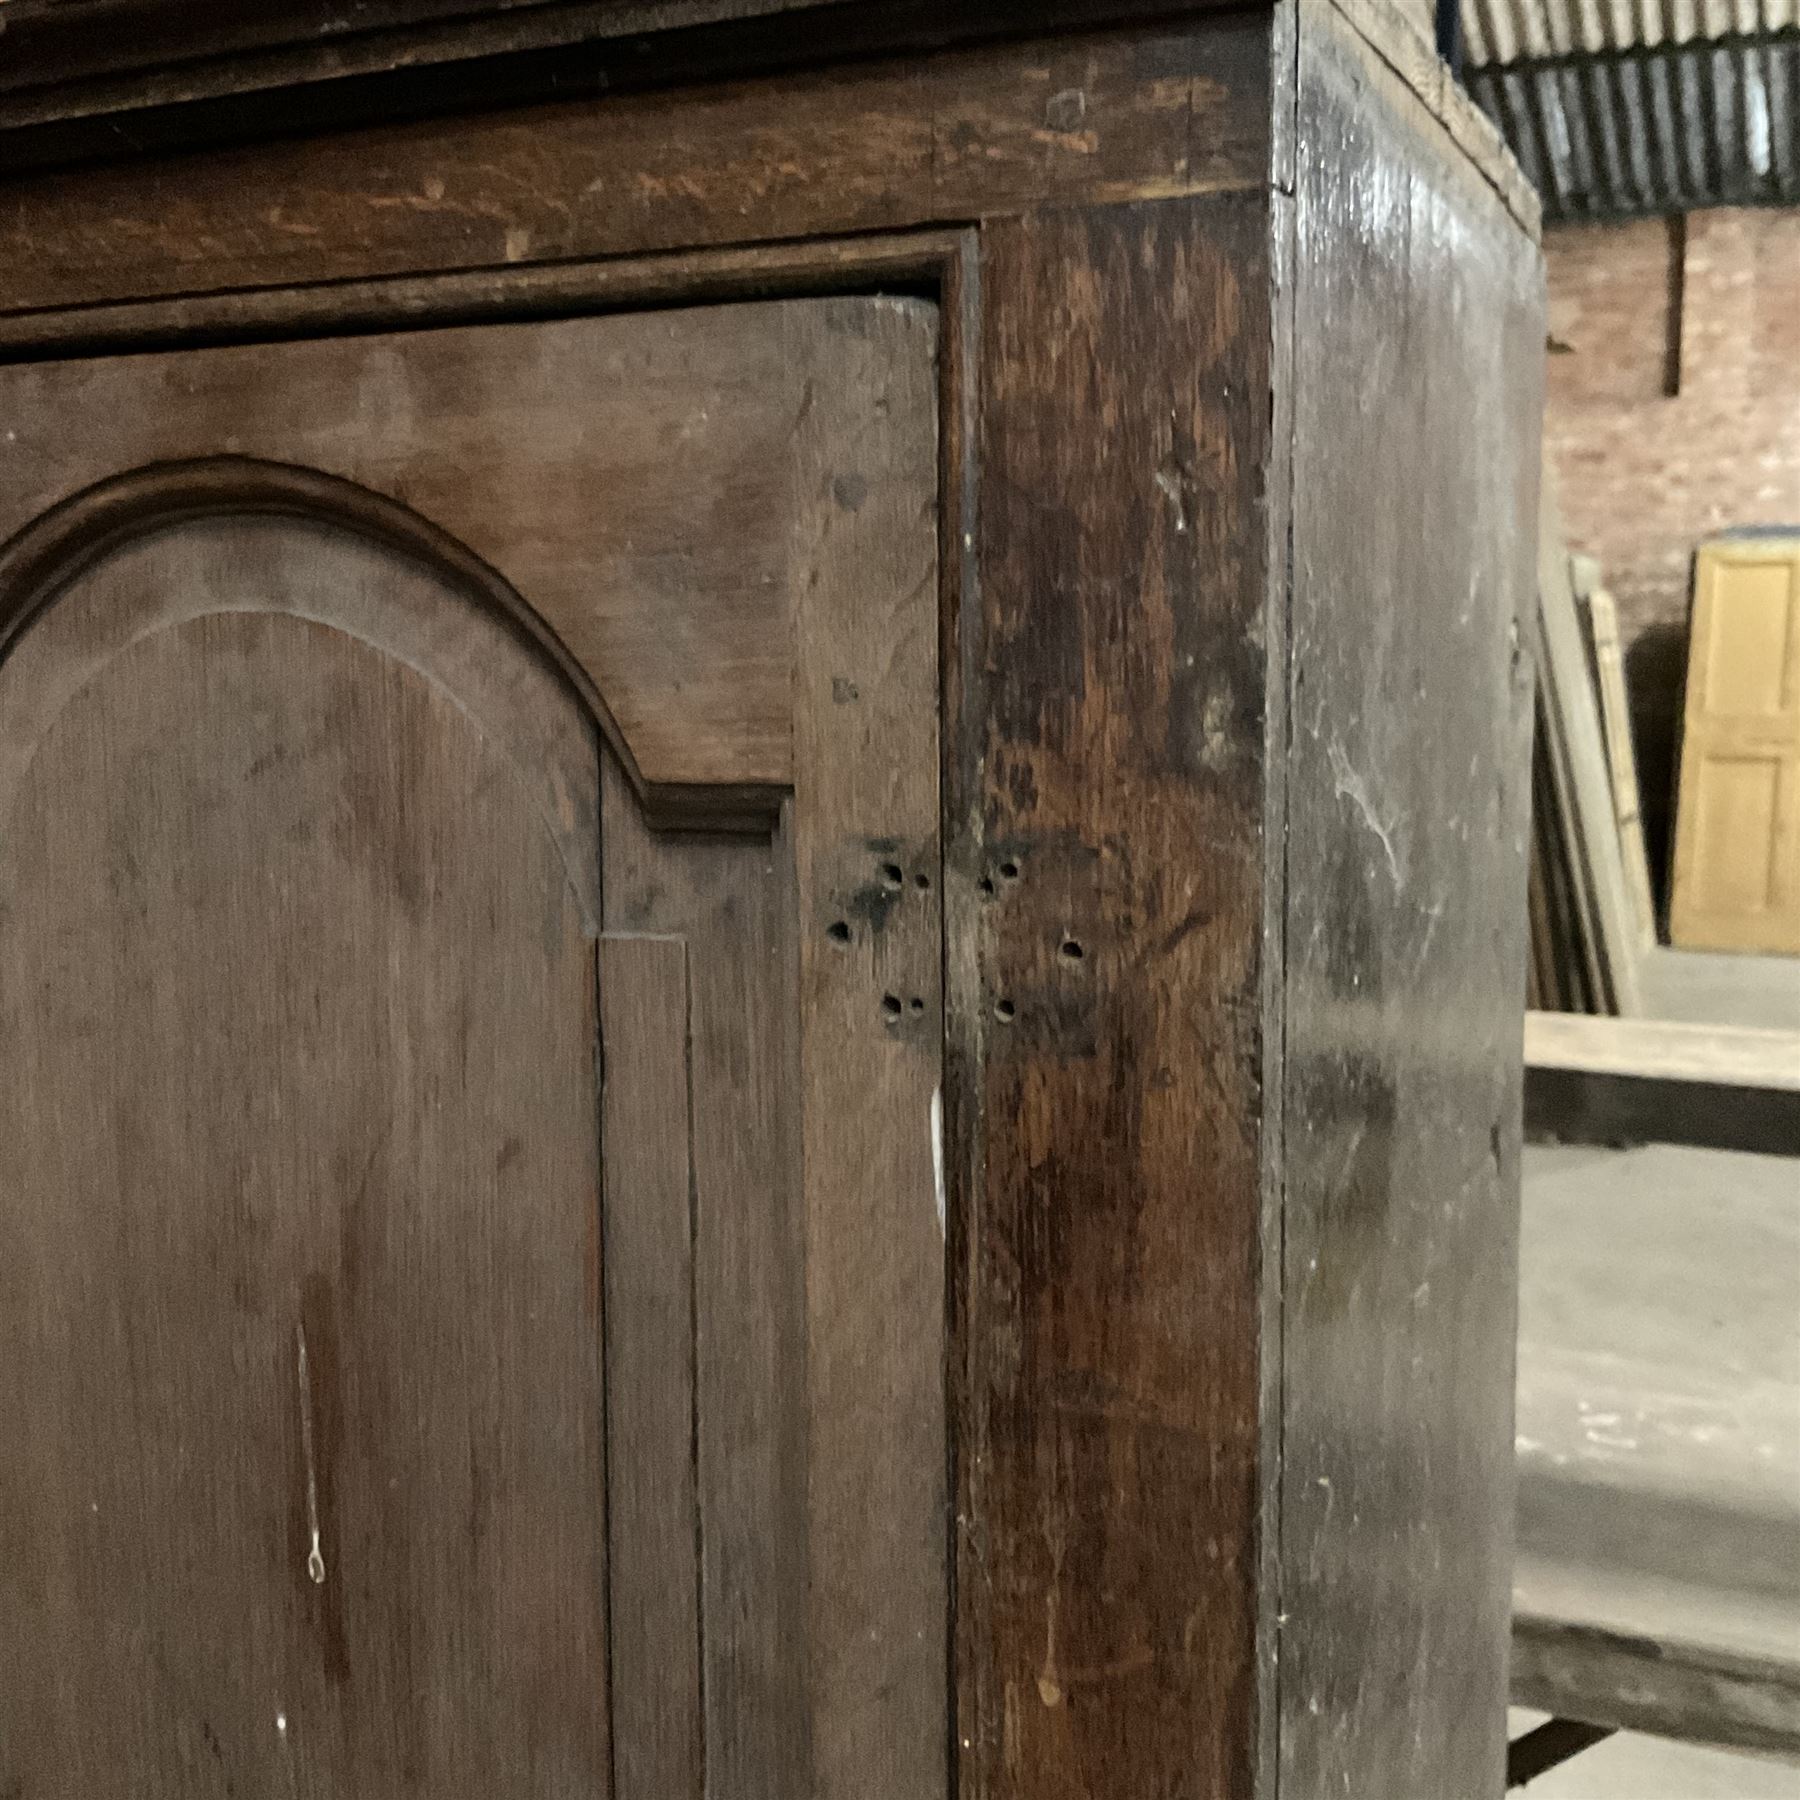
x=299, y=1323
x=471, y=1265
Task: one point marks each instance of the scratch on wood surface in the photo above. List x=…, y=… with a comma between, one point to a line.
x=1350, y=785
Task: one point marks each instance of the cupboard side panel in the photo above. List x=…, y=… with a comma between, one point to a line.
x=1418, y=339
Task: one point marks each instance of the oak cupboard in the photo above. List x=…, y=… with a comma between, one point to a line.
x=761, y=792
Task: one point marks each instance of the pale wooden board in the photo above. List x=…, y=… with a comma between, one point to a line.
x=1722, y=1055
x=1621, y=758
x=1571, y=715
x=1593, y=1080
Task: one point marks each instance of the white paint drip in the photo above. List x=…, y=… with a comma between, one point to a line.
x=315, y=1559
x=937, y=1153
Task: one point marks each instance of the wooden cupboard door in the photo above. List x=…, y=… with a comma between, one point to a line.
x=1736, y=882
x=471, y=1264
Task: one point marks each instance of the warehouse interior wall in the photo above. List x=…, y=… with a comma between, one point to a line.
x=1672, y=412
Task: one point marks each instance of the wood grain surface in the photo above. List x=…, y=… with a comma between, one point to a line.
x=973, y=133
x=1105, y=960
x=869, y=875
x=1165, y=918
x=731, y=900
x=634, y=479
x=816, y=1049
x=1417, y=331
x=95, y=59
x=652, y=1416
x=299, y=1359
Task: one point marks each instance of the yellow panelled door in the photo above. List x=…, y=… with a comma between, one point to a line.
x=1736, y=880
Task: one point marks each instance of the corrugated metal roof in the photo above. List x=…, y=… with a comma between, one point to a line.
x=1654, y=130
x=1616, y=107
x=1508, y=31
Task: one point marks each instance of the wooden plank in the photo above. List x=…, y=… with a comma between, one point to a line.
x=1392, y=32
x=1621, y=757
x=542, y=449
x=1407, y=772
x=732, y=901
x=1653, y=1081
x=1578, y=764
x=652, y=1497
x=878, y=261
x=299, y=1333
x=1696, y=1692
x=106, y=60
x=1735, y=880
x=869, y=880
x=819, y=1245
x=1561, y=938
x=1656, y=1049
x=1105, y=968
x=974, y=133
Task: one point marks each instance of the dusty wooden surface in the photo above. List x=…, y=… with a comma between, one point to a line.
x=732, y=903
x=1113, y=224
x=82, y=75
x=975, y=133
x=653, y=1513
x=818, y=1257
x=300, y=1382
x=1416, y=332
x=543, y=449
x=868, y=875
x=1110, y=763
x=773, y=1264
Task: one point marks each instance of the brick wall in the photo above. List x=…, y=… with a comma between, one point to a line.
x=1673, y=410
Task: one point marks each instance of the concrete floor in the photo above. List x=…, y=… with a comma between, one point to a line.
x=1659, y=1427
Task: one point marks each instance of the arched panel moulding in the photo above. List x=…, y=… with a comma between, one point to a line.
x=646, y=483
x=104, y=520
x=156, y=548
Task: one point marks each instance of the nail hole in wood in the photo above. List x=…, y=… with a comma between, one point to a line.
x=986, y=886
x=891, y=874
x=918, y=1005
x=890, y=1006
x=1004, y=1012
x=1072, y=950
x=922, y=882
x=1009, y=871
x=838, y=931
